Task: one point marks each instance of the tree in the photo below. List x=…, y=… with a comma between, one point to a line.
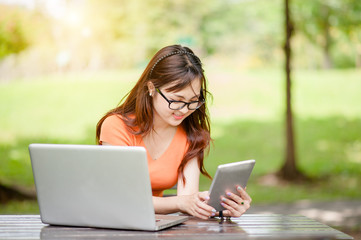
x=323, y=23
x=289, y=170
x=12, y=37
x=349, y=23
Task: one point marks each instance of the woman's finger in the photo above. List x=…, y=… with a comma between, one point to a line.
x=231, y=200
x=236, y=205
x=204, y=197
x=244, y=195
x=232, y=211
x=200, y=208
x=238, y=200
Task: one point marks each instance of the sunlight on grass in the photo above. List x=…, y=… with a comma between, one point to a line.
x=353, y=152
x=59, y=107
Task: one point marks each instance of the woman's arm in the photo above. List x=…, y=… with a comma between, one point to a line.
x=191, y=174
x=188, y=199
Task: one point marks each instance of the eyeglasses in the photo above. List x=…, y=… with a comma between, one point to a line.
x=178, y=105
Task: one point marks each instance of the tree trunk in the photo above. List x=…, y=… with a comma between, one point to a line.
x=289, y=170
x=358, y=55
x=327, y=60
x=10, y=193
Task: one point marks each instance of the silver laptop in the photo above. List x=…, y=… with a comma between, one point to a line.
x=96, y=186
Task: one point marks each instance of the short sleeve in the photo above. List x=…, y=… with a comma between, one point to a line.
x=114, y=132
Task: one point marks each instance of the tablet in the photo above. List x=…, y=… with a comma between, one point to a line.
x=228, y=177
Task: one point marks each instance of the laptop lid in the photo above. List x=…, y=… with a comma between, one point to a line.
x=93, y=186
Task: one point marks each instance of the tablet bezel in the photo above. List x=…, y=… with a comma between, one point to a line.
x=227, y=178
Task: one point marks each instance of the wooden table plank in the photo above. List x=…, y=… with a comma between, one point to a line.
x=249, y=226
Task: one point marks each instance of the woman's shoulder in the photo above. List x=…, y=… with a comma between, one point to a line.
x=115, y=131
x=114, y=119
x=114, y=122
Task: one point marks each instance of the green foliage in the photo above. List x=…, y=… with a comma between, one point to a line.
x=212, y=27
x=122, y=34
x=332, y=26
x=21, y=28
x=12, y=36
x=250, y=32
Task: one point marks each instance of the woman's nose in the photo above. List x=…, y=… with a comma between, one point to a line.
x=184, y=110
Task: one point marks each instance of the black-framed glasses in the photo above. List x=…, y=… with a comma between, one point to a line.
x=178, y=105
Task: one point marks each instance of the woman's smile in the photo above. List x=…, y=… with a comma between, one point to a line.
x=178, y=117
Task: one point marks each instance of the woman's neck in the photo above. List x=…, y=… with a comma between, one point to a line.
x=161, y=127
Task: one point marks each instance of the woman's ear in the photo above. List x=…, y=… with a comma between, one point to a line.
x=151, y=88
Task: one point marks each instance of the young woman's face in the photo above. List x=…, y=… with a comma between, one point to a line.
x=163, y=114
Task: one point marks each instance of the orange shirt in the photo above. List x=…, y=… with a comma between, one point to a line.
x=163, y=171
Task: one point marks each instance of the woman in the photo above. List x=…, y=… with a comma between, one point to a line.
x=166, y=113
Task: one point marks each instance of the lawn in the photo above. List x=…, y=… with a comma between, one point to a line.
x=247, y=113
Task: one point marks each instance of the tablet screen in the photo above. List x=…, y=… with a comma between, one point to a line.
x=227, y=178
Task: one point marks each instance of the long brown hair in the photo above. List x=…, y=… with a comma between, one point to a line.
x=172, y=64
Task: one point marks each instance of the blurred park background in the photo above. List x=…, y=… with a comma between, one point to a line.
x=64, y=63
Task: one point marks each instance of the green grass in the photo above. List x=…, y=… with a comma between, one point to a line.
x=247, y=122
x=20, y=207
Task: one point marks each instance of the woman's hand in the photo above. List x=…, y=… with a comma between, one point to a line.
x=196, y=205
x=236, y=205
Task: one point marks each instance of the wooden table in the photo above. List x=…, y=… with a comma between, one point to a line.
x=249, y=226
